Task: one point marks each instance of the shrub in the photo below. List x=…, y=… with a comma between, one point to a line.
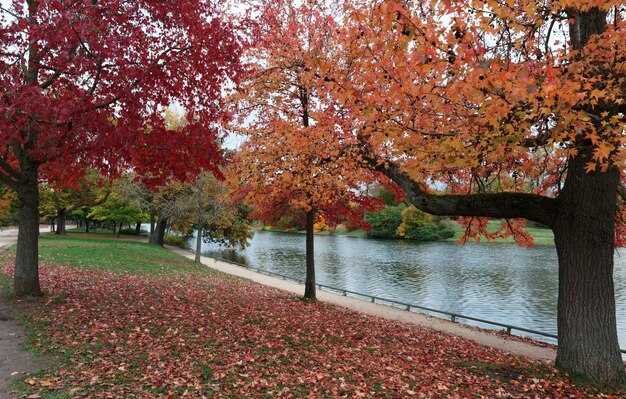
x=413, y=218
x=428, y=232
x=176, y=240
x=385, y=223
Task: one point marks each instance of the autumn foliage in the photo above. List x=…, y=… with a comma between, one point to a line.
x=192, y=335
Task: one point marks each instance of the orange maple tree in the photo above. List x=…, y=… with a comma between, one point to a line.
x=295, y=158
x=517, y=108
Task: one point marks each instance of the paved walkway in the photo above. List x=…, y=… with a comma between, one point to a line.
x=13, y=359
x=389, y=312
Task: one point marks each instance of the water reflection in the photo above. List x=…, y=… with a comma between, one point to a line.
x=498, y=282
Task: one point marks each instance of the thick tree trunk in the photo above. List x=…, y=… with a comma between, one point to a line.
x=584, y=235
x=199, y=244
x=309, y=284
x=86, y=225
x=26, y=278
x=158, y=235
x=61, y=222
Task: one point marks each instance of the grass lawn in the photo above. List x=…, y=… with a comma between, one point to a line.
x=126, y=320
x=104, y=252
x=541, y=236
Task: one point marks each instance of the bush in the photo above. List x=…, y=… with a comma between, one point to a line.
x=428, y=232
x=385, y=223
x=176, y=240
x=413, y=218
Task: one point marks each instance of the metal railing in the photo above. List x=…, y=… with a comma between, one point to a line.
x=454, y=317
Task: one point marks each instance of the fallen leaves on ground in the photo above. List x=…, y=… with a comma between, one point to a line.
x=194, y=336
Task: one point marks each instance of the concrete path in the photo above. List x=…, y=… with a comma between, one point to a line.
x=484, y=338
x=14, y=361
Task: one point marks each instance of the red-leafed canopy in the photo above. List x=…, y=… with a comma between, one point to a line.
x=85, y=83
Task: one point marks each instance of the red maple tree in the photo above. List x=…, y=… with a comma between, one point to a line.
x=84, y=83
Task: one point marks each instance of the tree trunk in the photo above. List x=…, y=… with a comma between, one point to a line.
x=138, y=229
x=152, y=218
x=199, y=243
x=584, y=235
x=159, y=232
x=309, y=284
x=61, y=222
x=52, y=229
x=86, y=225
x=26, y=278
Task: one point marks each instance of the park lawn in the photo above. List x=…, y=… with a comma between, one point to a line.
x=541, y=236
x=174, y=330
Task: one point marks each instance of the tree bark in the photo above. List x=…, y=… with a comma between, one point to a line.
x=159, y=232
x=26, y=278
x=309, y=284
x=138, y=229
x=152, y=221
x=86, y=225
x=61, y=222
x=584, y=233
x=52, y=229
x=199, y=243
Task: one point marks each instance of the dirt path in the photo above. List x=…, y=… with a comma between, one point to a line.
x=389, y=312
x=13, y=359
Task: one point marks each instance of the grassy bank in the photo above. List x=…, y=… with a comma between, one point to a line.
x=541, y=236
x=129, y=320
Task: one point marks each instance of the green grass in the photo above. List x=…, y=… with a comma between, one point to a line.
x=106, y=253
x=6, y=292
x=541, y=236
x=342, y=231
x=91, y=231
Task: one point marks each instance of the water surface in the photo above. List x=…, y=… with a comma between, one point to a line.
x=498, y=282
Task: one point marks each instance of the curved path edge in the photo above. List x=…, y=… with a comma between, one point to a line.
x=515, y=347
x=14, y=361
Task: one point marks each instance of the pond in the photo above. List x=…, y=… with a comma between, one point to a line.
x=493, y=281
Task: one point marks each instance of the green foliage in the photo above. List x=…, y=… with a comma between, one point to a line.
x=429, y=232
x=420, y=226
x=387, y=196
x=115, y=210
x=385, y=223
x=291, y=221
x=8, y=206
x=132, y=232
x=176, y=240
x=408, y=222
x=412, y=218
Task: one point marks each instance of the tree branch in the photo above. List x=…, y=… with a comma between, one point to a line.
x=506, y=205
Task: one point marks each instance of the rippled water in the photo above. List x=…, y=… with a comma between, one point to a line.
x=497, y=282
